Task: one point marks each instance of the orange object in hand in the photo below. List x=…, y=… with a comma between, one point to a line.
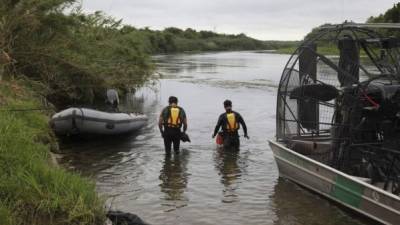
x=219, y=140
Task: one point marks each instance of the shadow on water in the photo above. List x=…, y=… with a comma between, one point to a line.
x=174, y=179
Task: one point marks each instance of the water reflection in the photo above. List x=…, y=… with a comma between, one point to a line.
x=227, y=164
x=143, y=100
x=174, y=176
x=91, y=155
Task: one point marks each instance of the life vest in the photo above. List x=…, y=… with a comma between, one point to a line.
x=174, y=117
x=231, y=122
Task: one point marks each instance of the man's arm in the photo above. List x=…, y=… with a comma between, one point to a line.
x=241, y=121
x=185, y=125
x=219, y=124
x=160, y=123
x=184, y=120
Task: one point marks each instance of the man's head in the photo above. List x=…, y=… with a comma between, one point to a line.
x=173, y=100
x=228, y=105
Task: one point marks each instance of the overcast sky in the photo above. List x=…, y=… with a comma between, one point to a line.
x=262, y=19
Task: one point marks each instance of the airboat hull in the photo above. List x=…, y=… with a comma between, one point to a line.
x=346, y=190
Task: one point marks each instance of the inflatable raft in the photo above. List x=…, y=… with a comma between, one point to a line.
x=83, y=121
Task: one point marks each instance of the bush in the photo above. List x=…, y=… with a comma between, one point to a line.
x=31, y=190
x=75, y=56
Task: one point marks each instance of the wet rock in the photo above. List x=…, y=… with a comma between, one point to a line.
x=121, y=218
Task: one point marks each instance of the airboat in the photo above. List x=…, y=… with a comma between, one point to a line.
x=338, y=118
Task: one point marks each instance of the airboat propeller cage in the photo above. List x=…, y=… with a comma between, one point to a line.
x=338, y=108
x=341, y=68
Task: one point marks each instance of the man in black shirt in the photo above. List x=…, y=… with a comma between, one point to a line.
x=171, y=120
x=230, y=122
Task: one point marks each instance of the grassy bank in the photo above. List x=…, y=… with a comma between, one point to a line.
x=32, y=190
x=324, y=50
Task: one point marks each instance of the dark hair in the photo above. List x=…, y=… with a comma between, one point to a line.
x=227, y=103
x=173, y=99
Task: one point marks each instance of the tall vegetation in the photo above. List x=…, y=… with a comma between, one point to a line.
x=73, y=57
x=33, y=191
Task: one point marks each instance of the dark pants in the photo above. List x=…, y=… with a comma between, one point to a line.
x=172, y=136
x=231, y=141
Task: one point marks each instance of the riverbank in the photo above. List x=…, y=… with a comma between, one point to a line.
x=32, y=189
x=324, y=50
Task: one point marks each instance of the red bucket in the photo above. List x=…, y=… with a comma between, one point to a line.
x=219, y=140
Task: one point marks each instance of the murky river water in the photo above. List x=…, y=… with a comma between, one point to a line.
x=202, y=185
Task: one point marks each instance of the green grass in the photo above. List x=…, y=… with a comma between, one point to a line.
x=327, y=50
x=287, y=50
x=32, y=191
x=324, y=50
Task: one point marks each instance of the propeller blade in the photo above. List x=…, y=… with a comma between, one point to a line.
x=320, y=92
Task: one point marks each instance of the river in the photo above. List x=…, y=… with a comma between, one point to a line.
x=202, y=185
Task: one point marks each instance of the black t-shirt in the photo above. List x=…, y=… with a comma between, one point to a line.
x=223, y=121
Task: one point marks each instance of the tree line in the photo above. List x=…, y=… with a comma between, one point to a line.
x=172, y=39
x=391, y=15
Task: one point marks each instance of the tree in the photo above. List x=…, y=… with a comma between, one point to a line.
x=173, y=30
x=392, y=15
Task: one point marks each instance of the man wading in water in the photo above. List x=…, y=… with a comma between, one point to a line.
x=170, y=123
x=229, y=121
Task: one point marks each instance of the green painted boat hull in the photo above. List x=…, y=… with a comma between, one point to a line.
x=349, y=191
